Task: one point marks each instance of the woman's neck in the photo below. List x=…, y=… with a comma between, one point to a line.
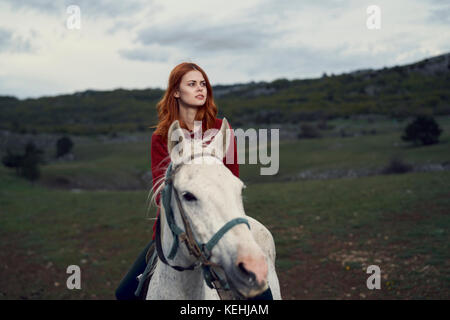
x=187, y=114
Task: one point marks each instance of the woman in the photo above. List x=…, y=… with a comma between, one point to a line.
x=188, y=98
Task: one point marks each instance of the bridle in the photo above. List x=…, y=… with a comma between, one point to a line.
x=201, y=251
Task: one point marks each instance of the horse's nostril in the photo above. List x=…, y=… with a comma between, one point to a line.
x=250, y=276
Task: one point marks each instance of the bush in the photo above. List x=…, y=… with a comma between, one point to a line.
x=27, y=164
x=323, y=125
x=308, y=131
x=30, y=167
x=12, y=160
x=424, y=129
x=63, y=146
x=280, y=84
x=30, y=162
x=397, y=165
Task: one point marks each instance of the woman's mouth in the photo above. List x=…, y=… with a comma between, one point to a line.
x=200, y=97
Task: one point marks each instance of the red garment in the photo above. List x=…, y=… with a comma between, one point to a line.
x=160, y=160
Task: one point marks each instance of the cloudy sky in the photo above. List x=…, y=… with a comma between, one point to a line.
x=136, y=43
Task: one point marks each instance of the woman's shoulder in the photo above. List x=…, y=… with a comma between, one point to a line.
x=218, y=123
x=157, y=138
x=156, y=135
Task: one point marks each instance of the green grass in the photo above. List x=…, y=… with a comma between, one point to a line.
x=328, y=153
x=342, y=206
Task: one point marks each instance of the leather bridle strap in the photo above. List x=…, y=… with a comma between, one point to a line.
x=189, y=238
x=160, y=252
x=204, y=253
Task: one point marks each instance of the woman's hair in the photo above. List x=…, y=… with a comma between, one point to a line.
x=167, y=107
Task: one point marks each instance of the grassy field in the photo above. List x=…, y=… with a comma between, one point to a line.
x=327, y=231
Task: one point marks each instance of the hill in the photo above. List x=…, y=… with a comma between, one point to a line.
x=400, y=91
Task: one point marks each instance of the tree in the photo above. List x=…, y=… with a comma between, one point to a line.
x=63, y=146
x=424, y=129
x=12, y=160
x=30, y=162
x=279, y=84
x=27, y=164
x=30, y=168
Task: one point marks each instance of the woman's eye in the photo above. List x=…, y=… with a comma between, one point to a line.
x=189, y=197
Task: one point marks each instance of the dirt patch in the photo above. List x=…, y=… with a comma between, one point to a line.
x=338, y=270
x=332, y=270
x=28, y=274
x=24, y=274
x=413, y=263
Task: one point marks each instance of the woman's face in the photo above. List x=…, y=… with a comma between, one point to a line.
x=192, y=91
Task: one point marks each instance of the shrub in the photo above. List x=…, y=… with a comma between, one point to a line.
x=63, y=146
x=30, y=168
x=31, y=161
x=323, y=125
x=308, y=131
x=12, y=160
x=424, y=129
x=27, y=164
x=397, y=165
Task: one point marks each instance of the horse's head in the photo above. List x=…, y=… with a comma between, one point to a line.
x=211, y=196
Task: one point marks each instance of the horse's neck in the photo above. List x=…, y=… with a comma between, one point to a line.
x=168, y=283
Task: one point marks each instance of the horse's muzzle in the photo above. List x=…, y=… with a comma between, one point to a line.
x=249, y=275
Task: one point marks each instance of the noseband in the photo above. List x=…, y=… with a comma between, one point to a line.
x=201, y=251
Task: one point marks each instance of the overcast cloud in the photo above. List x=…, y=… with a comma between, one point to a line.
x=136, y=43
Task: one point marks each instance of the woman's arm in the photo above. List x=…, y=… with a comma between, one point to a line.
x=159, y=161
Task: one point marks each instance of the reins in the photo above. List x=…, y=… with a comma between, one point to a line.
x=201, y=251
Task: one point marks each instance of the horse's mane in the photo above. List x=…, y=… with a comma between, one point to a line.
x=159, y=184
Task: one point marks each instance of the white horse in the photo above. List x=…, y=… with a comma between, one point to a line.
x=211, y=196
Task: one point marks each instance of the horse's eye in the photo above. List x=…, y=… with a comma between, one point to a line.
x=189, y=196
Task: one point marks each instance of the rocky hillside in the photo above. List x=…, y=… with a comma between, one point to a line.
x=400, y=91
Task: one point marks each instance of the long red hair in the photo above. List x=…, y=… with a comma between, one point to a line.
x=167, y=107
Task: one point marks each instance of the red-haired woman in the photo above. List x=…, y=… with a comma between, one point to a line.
x=188, y=98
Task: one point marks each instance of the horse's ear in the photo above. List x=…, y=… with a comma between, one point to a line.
x=174, y=136
x=221, y=140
